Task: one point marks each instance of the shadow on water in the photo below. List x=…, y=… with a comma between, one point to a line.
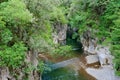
x=63, y=74
x=68, y=73
x=76, y=45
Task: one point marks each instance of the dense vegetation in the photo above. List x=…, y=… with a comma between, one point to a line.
x=28, y=25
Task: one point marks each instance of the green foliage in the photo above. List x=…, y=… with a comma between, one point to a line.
x=99, y=16
x=15, y=12
x=6, y=36
x=13, y=56
x=63, y=51
x=102, y=18
x=29, y=23
x=40, y=35
x=3, y=0
x=111, y=23
x=59, y=15
x=38, y=43
x=75, y=35
x=2, y=23
x=27, y=69
x=116, y=48
x=42, y=67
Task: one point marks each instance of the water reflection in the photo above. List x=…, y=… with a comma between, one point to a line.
x=63, y=74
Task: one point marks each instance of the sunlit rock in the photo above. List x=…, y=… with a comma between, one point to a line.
x=104, y=56
x=91, y=59
x=5, y=74
x=89, y=47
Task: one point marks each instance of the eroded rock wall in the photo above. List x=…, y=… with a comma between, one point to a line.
x=59, y=33
x=19, y=73
x=91, y=47
x=89, y=42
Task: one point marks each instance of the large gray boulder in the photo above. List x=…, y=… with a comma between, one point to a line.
x=92, y=59
x=105, y=73
x=104, y=56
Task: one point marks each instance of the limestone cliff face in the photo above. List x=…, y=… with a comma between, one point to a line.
x=31, y=57
x=89, y=42
x=91, y=47
x=59, y=33
x=4, y=73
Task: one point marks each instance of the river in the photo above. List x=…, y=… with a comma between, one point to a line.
x=73, y=69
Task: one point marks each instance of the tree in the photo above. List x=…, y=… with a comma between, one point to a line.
x=111, y=22
x=14, y=17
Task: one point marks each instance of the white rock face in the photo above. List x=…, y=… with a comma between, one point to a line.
x=105, y=73
x=92, y=47
x=89, y=46
x=59, y=33
x=55, y=38
x=92, y=59
x=104, y=56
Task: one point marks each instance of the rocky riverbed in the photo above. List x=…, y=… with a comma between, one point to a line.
x=90, y=68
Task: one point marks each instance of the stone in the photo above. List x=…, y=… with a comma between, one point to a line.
x=43, y=58
x=102, y=59
x=91, y=59
x=91, y=49
x=55, y=38
x=4, y=73
x=59, y=33
x=105, y=73
x=89, y=45
x=104, y=56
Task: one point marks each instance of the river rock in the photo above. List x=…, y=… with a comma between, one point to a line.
x=104, y=56
x=91, y=59
x=105, y=73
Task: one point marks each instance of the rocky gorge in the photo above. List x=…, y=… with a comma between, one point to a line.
x=59, y=39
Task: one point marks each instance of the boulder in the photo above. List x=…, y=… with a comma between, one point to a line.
x=91, y=59
x=89, y=45
x=104, y=56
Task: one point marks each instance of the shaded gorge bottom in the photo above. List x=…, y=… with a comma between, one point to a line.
x=66, y=73
x=72, y=71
